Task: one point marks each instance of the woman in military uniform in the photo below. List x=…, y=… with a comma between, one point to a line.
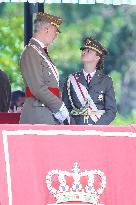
x=89, y=94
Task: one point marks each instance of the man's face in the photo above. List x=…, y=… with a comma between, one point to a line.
x=89, y=56
x=50, y=33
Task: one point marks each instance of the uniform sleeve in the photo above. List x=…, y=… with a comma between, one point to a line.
x=32, y=72
x=110, y=105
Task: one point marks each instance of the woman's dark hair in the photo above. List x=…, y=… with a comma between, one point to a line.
x=100, y=64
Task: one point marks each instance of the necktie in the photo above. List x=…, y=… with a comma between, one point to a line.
x=46, y=50
x=88, y=78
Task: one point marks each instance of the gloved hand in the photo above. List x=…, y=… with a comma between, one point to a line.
x=62, y=115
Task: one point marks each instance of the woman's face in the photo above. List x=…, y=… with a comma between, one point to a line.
x=89, y=56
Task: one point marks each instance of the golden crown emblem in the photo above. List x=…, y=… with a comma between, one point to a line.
x=76, y=186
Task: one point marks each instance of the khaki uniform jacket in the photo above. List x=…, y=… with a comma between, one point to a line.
x=38, y=76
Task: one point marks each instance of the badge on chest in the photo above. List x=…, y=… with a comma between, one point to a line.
x=100, y=96
x=49, y=73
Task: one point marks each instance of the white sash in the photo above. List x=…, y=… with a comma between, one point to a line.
x=50, y=64
x=82, y=100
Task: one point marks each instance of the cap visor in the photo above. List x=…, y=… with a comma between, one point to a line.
x=58, y=30
x=82, y=48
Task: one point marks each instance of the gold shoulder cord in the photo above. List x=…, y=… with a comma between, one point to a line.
x=75, y=111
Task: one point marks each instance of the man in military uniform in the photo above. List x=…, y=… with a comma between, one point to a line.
x=89, y=94
x=43, y=103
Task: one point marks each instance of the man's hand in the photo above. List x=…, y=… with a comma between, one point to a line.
x=62, y=114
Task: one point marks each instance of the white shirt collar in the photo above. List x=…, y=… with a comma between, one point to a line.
x=85, y=73
x=41, y=43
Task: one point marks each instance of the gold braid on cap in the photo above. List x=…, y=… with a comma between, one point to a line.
x=94, y=45
x=95, y=49
x=54, y=24
x=56, y=21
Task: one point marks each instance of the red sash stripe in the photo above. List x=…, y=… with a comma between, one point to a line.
x=55, y=91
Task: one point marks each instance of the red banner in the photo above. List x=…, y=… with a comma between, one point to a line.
x=42, y=165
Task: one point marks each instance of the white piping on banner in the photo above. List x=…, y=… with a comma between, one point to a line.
x=6, y=152
x=70, y=133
